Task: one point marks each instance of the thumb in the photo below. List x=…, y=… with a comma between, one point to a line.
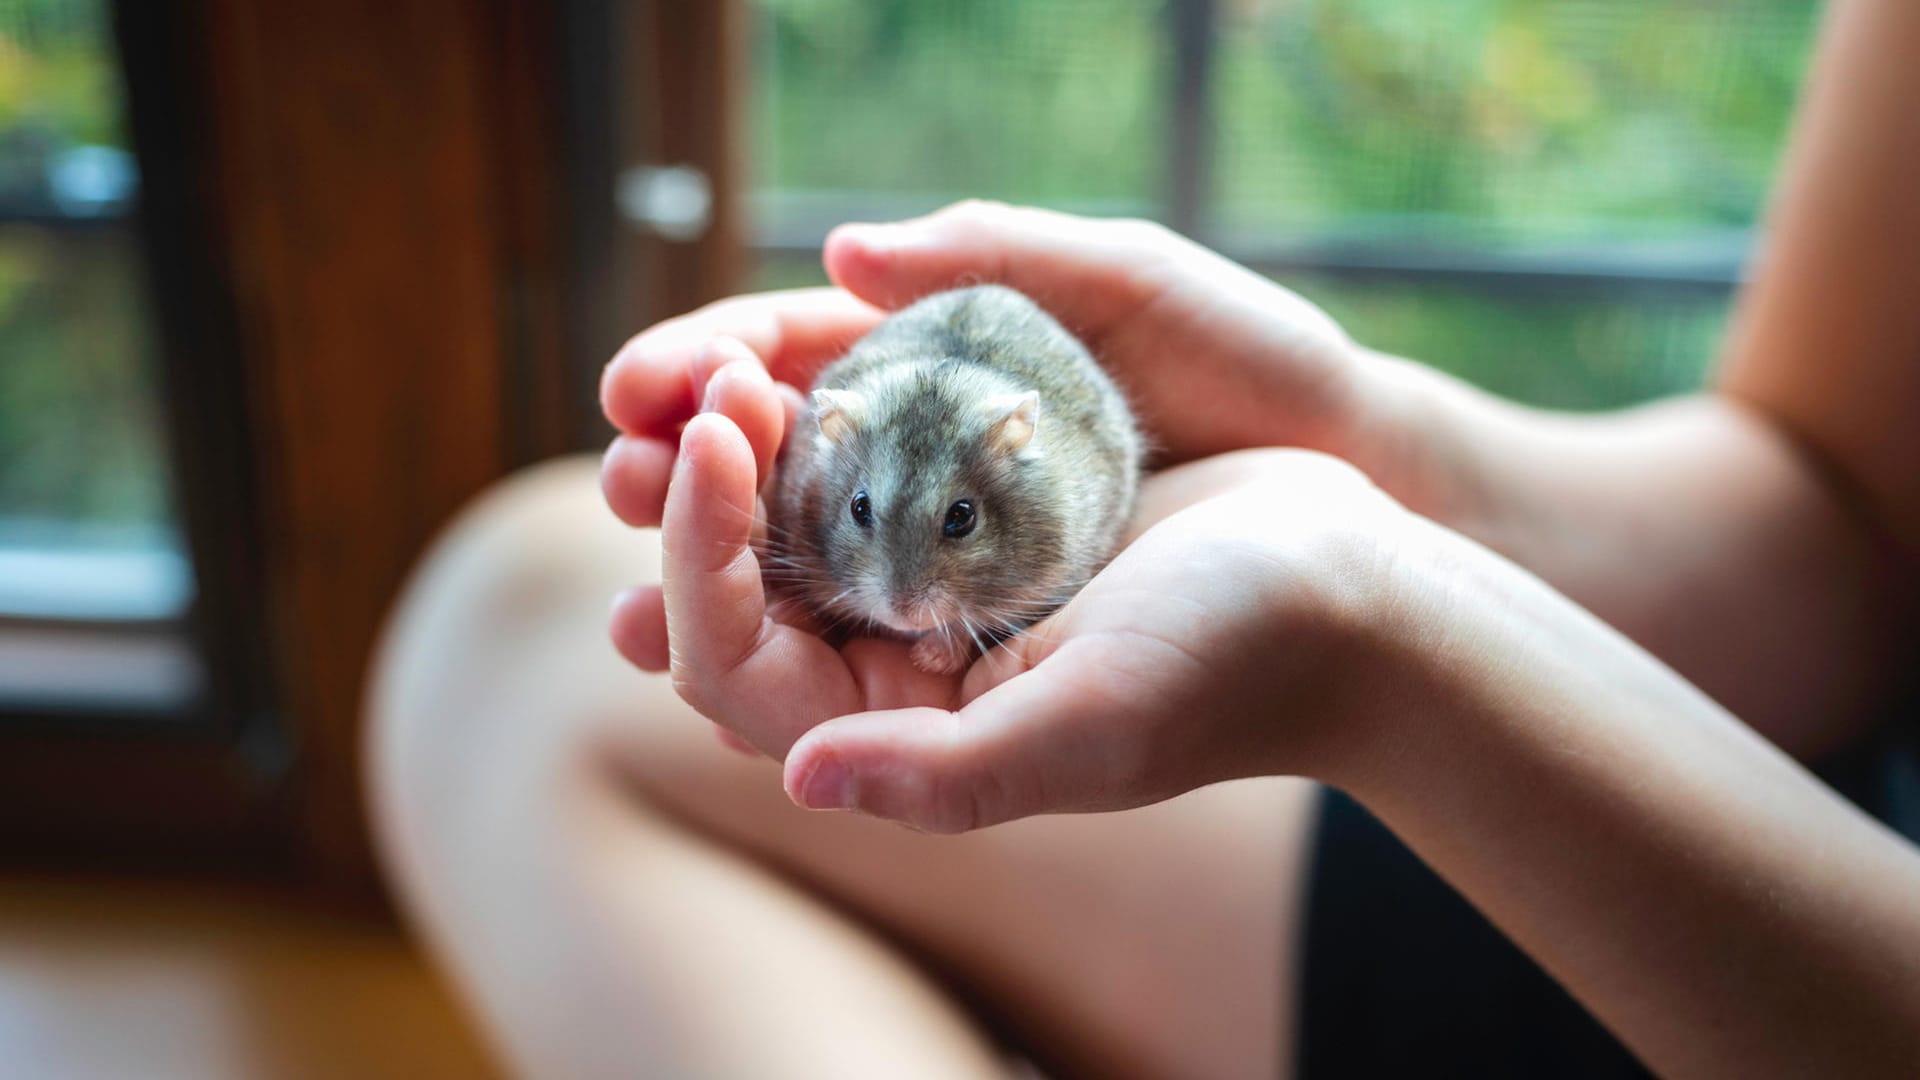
x=1087, y=272
x=1042, y=742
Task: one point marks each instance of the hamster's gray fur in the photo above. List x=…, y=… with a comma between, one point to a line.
x=974, y=396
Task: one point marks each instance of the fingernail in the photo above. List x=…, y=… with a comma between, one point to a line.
x=682, y=457
x=871, y=236
x=829, y=787
x=711, y=399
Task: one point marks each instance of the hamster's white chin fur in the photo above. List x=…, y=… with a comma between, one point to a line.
x=931, y=618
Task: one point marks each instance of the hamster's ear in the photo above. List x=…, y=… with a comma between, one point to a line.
x=839, y=412
x=1011, y=420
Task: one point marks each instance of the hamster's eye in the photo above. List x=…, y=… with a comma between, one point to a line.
x=959, y=520
x=862, y=510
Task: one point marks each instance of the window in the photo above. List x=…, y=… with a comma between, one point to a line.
x=132, y=682
x=333, y=257
x=1551, y=198
x=94, y=579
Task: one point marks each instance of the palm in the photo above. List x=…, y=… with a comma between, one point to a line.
x=794, y=677
x=1172, y=669
x=1153, y=676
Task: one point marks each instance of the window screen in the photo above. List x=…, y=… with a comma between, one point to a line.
x=1551, y=199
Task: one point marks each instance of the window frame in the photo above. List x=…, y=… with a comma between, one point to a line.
x=274, y=252
x=83, y=780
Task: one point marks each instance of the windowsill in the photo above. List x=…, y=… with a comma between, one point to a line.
x=93, y=624
x=148, y=670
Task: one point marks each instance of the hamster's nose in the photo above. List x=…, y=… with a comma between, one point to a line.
x=916, y=610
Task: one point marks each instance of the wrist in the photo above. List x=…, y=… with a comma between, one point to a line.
x=1403, y=431
x=1434, y=648
x=1358, y=664
x=1476, y=672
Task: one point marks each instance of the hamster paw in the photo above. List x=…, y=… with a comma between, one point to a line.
x=937, y=654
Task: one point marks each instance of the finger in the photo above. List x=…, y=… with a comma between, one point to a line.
x=792, y=401
x=715, y=605
x=742, y=391
x=765, y=681
x=1057, y=739
x=638, y=626
x=639, y=630
x=652, y=384
x=634, y=470
x=1088, y=272
x=633, y=478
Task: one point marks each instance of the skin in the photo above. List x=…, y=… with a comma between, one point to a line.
x=618, y=895
x=1567, y=659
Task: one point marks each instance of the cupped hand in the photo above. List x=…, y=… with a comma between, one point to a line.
x=1224, y=640
x=1213, y=356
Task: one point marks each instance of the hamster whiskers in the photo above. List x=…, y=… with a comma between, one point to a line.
x=807, y=586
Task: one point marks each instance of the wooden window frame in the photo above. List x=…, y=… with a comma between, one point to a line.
x=370, y=234
x=80, y=782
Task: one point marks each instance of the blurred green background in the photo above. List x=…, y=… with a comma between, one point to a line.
x=1640, y=135
x=80, y=441
x=1643, y=134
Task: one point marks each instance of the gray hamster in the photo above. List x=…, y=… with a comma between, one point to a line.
x=956, y=477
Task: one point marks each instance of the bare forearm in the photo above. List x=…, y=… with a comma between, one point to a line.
x=1692, y=526
x=1764, y=540
x=1716, y=906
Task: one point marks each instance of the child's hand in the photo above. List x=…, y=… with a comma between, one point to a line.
x=1227, y=639
x=1213, y=356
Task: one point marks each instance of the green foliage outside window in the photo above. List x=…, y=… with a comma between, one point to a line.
x=57, y=72
x=80, y=444
x=1504, y=119
x=1509, y=125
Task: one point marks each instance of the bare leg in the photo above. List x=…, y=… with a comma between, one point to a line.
x=619, y=895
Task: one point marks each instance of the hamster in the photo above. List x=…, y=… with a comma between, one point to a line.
x=956, y=477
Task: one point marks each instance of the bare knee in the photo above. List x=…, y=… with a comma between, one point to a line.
x=496, y=640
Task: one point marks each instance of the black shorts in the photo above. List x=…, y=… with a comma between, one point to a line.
x=1402, y=977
